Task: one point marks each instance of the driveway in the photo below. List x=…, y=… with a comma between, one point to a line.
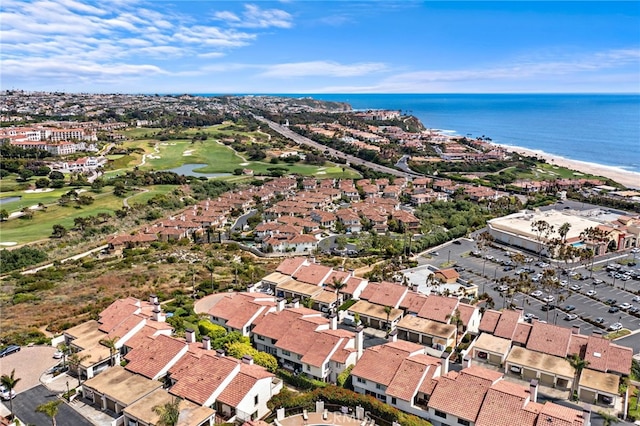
x=29, y=364
x=25, y=403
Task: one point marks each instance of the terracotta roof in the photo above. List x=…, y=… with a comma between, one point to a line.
x=504, y=406
x=489, y=321
x=409, y=376
x=604, y=356
x=235, y=391
x=276, y=324
x=438, y=308
x=446, y=396
x=413, y=302
x=352, y=284
x=238, y=308
x=312, y=274
x=198, y=379
x=448, y=274
x=290, y=266
x=391, y=355
x=117, y=312
x=577, y=344
x=384, y=293
x=521, y=335
x=558, y=415
x=507, y=323
x=466, y=312
x=548, y=338
x=154, y=354
x=427, y=327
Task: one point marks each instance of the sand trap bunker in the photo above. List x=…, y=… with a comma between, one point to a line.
x=321, y=173
x=8, y=243
x=244, y=164
x=37, y=191
x=187, y=153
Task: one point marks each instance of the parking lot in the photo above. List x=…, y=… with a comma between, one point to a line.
x=486, y=268
x=29, y=363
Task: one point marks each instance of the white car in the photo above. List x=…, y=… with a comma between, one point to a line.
x=5, y=394
x=635, y=250
x=636, y=299
x=548, y=299
x=576, y=287
x=591, y=293
x=570, y=317
x=564, y=283
x=615, y=326
x=58, y=354
x=537, y=293
x=624, y=306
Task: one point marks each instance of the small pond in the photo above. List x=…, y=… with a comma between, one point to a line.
x=188, y=170
x=6, y=200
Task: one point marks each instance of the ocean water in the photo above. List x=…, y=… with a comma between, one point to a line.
x=595, y=128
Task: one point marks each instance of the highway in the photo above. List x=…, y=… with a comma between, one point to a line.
x=301, y=140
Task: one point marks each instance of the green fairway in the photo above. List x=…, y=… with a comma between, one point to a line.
x=152, y=191
x=41, y=225
x=28, y=199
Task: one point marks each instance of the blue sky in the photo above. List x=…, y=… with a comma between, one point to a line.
x=207, y=46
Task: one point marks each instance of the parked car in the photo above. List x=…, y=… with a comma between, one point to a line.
x=548, y=307
x=624, y=306
x=599, y=320
x=58, y=354
x=615, y=326
x=633, y=309
x=576, y=287
x=591, y=293
x=57, y=369
x=5, y=394
x=549, y=298
x=636, y=299
x=569, y=308
x=611, y=301
x=457, y=242
x=570, y=317
x=597, y=281
x=537, y=293
x=9, y=350
x=614, y=309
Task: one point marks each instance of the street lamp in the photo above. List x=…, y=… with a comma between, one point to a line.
x=68, y=393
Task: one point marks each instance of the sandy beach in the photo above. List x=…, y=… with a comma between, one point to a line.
x=624, y=177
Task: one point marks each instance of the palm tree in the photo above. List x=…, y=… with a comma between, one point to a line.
x=169, y=412
x=387, y=310
x=75, y=360
x=456, y=320
x=211, y=266
x=50, y=409
x=608, y=419
x=337, y=285
x=563, y=230
x=578, y=364
x=542, y=230
x=111, y=344
x=10, y=382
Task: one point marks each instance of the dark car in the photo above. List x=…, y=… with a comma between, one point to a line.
x=611, y=301
x=599, y=320
x=457, y=242
x=9, y=350
x=614, y=309
x=547, y=307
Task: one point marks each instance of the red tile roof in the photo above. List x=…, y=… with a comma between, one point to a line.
x=413, y=302
x=548, y=338
x=438, y=308
x=389, y=355
x=290, y=266
x=446, y=396
x=197, y=379
x=504, y=405
x=489, y=321
x=153, y=355
x=235, y=392
x=384, y=293
x=507, y=323
x=312, y=274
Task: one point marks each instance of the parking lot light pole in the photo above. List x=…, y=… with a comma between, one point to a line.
x=68, y=393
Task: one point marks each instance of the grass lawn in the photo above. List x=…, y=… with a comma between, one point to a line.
x=616, y=334
x=10, y=183
x=140, y=132
x=32, y=199
x=634, y=410
x=143, y=197
x=41, y=225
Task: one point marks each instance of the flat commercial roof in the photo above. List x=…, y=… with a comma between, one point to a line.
x=520, y=223
x=602, y=382
x=540, y=362
x=428, y=327
x=490, y=343
x=122, y=385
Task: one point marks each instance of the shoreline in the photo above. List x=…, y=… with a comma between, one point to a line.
x=624, y=177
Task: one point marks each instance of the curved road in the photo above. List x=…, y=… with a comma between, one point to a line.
x=301, y=140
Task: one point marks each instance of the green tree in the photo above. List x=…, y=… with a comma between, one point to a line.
x=4, y=214
x=59, y=231
x=75, y=361
x=387, y=310
x=214, y=331
x=608, y=419
x=9, y=382
x=578, y=365
x=337, y=285
x=50, y=409
x=111, y=344
x=543, y=230
x=563, y=230
x=168, y=413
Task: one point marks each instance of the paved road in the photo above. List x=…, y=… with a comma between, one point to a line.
x=25, y=403
x=301, y=140
x=29, y=365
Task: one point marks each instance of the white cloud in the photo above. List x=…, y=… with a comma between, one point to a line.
x=321, y=68
x=255, y=17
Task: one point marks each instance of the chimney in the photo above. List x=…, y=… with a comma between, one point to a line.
x=333, y=319
x=359, y=341
x=533, y=390
x=190, y=335
x=157, y=313
x=341, y=268
x=281, y=305
x=220, y=352
x=153, y=299
x=296, y=303
x=352, y=272
x=206, y=343
x=393, y=336
x=466, y=362
x=575, y=329
x=247, y=359
x=586, y=415
x=444, y=360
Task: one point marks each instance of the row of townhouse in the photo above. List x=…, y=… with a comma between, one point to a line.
x=156, y=367
x=402, y=375
x=543, y=351
x=412, y=316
